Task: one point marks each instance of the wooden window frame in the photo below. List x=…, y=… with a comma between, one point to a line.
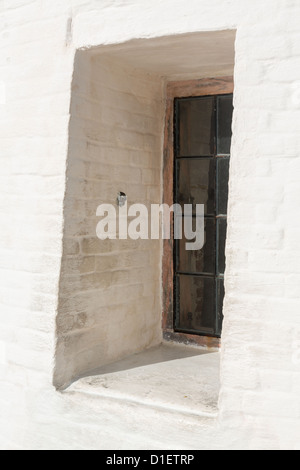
x=182, y=89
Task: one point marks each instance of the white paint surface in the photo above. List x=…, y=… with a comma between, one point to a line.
x=2, y=353
x=180, y=379
x=2, y=93
x=206, y=54
x=260, y=378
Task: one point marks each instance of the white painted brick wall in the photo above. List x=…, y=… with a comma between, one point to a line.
x=259, y=402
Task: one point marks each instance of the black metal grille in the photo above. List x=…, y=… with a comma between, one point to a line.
x=202, y=155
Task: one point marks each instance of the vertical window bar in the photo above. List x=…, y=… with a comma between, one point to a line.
x=216, y=205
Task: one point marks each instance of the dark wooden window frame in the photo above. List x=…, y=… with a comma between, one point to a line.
x=182, y=89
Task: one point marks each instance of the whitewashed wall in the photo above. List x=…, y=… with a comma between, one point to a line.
x=259, y=402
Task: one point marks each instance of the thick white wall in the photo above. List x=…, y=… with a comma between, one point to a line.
x=109, y=296
x=261, y=367
x=109, y=299
x=259, y=404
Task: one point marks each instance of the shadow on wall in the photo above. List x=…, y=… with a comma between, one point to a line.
x=109, y=293
x=150, y=357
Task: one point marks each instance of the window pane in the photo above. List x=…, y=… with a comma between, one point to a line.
x=222, y=229
x=200, y=261
x=223, y=177
x=196, y=183
x=196, y=304
x=197, y=127
x=225, y=110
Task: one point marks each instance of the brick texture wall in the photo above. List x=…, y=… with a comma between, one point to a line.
x=109, y=300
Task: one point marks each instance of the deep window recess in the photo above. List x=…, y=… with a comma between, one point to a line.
x=202, y=153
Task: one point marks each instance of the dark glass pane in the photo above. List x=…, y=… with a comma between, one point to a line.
x=222, y=229
x=200, y=261
x=196, y=183
x=223, y=178
x=196, y=304
x=199, y=299
x=196, y=127
x=221, y=294
x=225, y=110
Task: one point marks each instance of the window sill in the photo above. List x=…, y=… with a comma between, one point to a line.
x=174, y=378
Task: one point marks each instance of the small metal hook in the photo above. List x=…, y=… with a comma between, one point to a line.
x=121, y=199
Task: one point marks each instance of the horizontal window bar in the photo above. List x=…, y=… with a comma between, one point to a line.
x=195, y=216
x=201, y=97
x=208, y=157
x=203, y=157
x=204, y=332
x=186, y=273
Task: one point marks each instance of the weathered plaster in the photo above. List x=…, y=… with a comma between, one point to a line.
x=260, y=377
